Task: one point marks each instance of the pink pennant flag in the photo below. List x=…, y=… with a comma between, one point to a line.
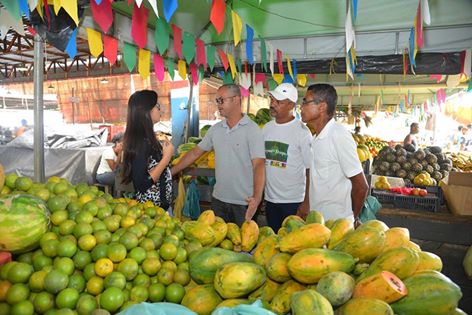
x=111, y=47
x=139, y=25
x=279, y=62
x=419, y=27
x=177, y=31
x=260, y=77
x=224, y=59
x=129, y=2
x=159, y=67
x=244, y=92
x=201, y=55
x=102, y=14
x=437, y=77
x=312, y=76
x=441, y=96
x=217, y=15
x=194, y=73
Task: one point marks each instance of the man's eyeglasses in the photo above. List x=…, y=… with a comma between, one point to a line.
x=306, y=102
x=158, y=106
x=220, y=100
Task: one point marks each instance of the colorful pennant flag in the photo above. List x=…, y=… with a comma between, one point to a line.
x=350, y=33
x=32, y=4
x=161, y=35
x=278, y=77
x=7, y=21
x=159, y=67
x=201, y=56
x=129, y=56
x=405, y=63
x=224, y=59
x=194, y=73
x=263, y=54
x=301, y=80
x=466, y=63
x=170, y=6
x=71, y=48
x=144, y=63
x=110, y=48
x=245, y=80
x=249, y=39
x=289, y=66
x=210, y=52
x=294, y=67
x=227, y=79
x=12, y=7
x=239, y=65
x=419, y=26
x=177, y=31
x=425, y=12
x=354, y=10
x=139, y=25
x=279, y=62
x=217, y=15
x=102, y=14
x=260, y=77
x=188, y=47
x=138, y=2
x=237, y=27
x=413, y=49
x=232, y=65
x=24, y=8
x=153, y=4
x=182, y=69
x=271, y=58
x=170, y=68
x=95, y=42
x=70, y=6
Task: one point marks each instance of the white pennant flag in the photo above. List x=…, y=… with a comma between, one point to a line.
x=271, y=57
x=7, y=21
x=425, y=12
x=350, y=34
x=468, y=63
x=3, y=26
x=138, y=3
x=153, y=4
x=258, y=89
x=32, y=4
x=245, y=80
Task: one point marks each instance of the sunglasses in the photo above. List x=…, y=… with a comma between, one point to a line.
x=220, y=100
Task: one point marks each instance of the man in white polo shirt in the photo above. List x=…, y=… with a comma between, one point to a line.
x=338, y=187
x=239, y=159
x=288, y=158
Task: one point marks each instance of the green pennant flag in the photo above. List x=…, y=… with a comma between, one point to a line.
x=228, y=78
x=210, y=52
x=188, y=47
x=170, y=68
x=129, y=56
x=162, y=35
x=13, y=7
x=201, y=73
x=239, y=65
x=263, y=54
x=271, y=84
x=469, y=88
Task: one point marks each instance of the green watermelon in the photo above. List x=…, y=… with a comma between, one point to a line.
x=263, y=115
x=204, y=130
x=23, y=220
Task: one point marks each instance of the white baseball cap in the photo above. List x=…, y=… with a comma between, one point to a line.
x=285, y=91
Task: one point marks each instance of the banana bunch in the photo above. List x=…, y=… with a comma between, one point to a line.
x=461, y=161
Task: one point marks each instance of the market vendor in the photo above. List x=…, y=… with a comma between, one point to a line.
x=239, y=158
x=109, y=161
x=146, y=159
x=412, y=138
x=338, y=187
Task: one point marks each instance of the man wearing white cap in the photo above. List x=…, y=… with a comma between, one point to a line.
x=288, y=157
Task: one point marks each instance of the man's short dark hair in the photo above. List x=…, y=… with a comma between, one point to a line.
x=117, y=138
x=325, y=93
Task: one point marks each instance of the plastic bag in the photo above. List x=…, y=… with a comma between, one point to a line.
x=180, y=200
x=157, y=309
x=370, y=209
x=192, y=201
x=255, y=308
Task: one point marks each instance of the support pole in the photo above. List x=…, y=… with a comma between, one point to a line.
x=38, y=75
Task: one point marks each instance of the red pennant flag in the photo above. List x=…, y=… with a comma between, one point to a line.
x=224, y=59
x=194, y=72
x=462, y=60
x=177, y=40
x=245, y=67
x=159, y=67
x=31, y=30
x=110, y=49
x=48, y=14
x=102, y=14
x=139, y=25
x=201, y=54
x=279, y=61
x=312, y=76
x=260, y=77
x=217, y=16
x=129, y=2
x=419, y=27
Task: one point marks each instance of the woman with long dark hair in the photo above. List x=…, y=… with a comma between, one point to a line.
x=145, y=159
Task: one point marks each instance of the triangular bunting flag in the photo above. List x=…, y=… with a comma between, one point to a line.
x=138, y=2
x=271, y=58
x=263, y=54
x=139, y=25
x=194, y=73
x=188, y=47
x=278, y=78
x=210, y=52
x=419, y=26
x=227, y=79
x=71, y=48
x=201, y=55
x=32, y=4
x=170, y=68
x=258, y=89
x=70, y=6
x=182, y=69
x=24, y=8
x=13, y=8
x=95, y=42
x=301, y=80
x=237, y=27
x=217, y=15
x=102, y=14
x=287, y=78
x=144, y=63
x=159, y=67
x=245, y=80
x=153, y=4
x=279, y=62
x=232, y=65
x=177, y=31
x=162, y=35
x=289, y=67
x=170, y=6
x=129, y=56
x=223, y=58
x=110, y=50
x=239, y=65
x=249, y=39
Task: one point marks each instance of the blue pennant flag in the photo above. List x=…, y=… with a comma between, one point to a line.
x=25, y=8
x=98, y=2
x=354, y=11
x=411, y=49
x=287, y=78
x=249, y=39
x=169, y=8
x=71, y=48
x=294, y=68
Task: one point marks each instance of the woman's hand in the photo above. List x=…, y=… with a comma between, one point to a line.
x=167, y=149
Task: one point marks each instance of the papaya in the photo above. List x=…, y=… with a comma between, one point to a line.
x=309, y=265
x=429, y=261
x=265, y=250
x=266, y=292
x=233, y=302
x=234, y=233
x=336, y=287
x=329, y=223
x=201, y=232
x=396, y=237
x=360, y=268
x=312, y=235
x=401, y=261
x=376, y=224
x=383, y=286
x=249, y=235
x=207, y=217
x=413, y=246
x=205, y=262
x=310, y=302
x=282, y=232
x=280, y=303
x=340, y=228
x=364, y=306
x=238, y=279
x=292, y=223
x=429, y=293
x=202, y=299
x=277, y=268
x=264, y=232
x=226, y=244
x=467, y=263
x=315, y=217
x=220, y=230
x=364, y=243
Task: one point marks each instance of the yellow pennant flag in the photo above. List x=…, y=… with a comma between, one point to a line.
x=278, y=77
x=237, y=27
x=301, y=80
x=95, y=42
x=182, y=68
x=57, y=6
x=71, y=8
x=144, y=63
x=232, y=65
x=39, y=8
x=289, y=66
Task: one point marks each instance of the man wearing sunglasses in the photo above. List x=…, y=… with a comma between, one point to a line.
x=338, y=187
x=239, y=159
x=288, y=159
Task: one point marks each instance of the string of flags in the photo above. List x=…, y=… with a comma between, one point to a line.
x=416, y=40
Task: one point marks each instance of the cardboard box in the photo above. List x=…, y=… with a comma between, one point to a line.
x=457, y=188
